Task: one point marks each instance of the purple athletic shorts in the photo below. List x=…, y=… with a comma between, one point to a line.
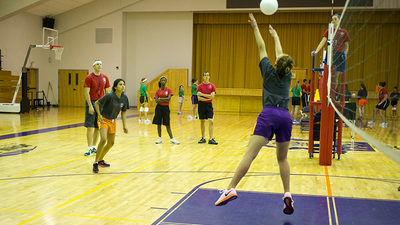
x=273, y=120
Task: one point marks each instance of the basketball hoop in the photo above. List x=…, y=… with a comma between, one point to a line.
x=58, y=50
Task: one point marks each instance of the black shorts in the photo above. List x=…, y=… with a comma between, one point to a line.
x=91, y=120
x=393, y=103
x=295, y=100
x=205, y=110
x=143, y=99
x=338, y=61
x=195, y=100
x=383, y=106
x=161, y=115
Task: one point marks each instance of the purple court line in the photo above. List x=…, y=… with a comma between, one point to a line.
x=45, y=130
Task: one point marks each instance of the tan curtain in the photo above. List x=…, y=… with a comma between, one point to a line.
x=224, y=45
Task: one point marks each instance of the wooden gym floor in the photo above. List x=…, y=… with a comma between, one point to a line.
x=45, y=179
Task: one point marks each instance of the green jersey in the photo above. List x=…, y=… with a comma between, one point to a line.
x=194, y=89
x=181, y=93
x=296, y=93
x=143, y=89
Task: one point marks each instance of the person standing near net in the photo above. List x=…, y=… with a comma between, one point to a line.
x=340, y=45
x=195, y=100
x=296, y=95
x=144, y=101
x=362, y=100
x=394, y=97
x=205, y=93
x=382, y=105
x=304, y=93
x=273, y=119
x=95, y=86
x=113, y=103
x=162, y=113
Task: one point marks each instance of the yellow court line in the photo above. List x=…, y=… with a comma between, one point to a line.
x=44, y=168
x=82, y=195
x=104, y=218
x=329, y=211
x=334, y=209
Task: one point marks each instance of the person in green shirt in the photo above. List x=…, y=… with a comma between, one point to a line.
x=144, y=97
x=296, y=94
x=181, y=97
x=195, y=100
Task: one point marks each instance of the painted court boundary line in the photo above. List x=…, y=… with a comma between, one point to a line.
x=46, y=130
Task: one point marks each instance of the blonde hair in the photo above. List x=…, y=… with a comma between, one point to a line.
x=297, y=84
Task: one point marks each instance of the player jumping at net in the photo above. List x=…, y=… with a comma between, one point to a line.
x=273, y=119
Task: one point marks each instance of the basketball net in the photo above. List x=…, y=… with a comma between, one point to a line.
x=58, y=50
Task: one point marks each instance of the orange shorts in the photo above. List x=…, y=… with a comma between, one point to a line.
x=362, y=102
x=110, y=125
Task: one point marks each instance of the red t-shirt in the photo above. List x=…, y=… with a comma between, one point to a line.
x=206, y=89
x=382, y=94
x=309, y=89
x=97, y=84
x=163, y=93
x=303, y=89
x=338, y=41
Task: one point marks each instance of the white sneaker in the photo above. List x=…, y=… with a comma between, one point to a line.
x=147, y=121
x=159, y=140
x=189, y=118
x=383, y=124
x=194, y=117
x=173, y=141
x=371, y=122
x=141, y=120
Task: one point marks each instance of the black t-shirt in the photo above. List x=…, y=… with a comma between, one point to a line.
x=395, y=97
x=112, y=105
x=275, y=88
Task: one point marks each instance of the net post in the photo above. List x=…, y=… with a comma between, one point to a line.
x=327, y=124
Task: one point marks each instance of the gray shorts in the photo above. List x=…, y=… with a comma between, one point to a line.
x=90, y=120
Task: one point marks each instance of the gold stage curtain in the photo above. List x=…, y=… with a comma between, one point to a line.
x=224, y=45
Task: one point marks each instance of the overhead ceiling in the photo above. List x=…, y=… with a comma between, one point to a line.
x=54, y=7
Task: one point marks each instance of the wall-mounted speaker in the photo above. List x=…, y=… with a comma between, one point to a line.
x=48, y=22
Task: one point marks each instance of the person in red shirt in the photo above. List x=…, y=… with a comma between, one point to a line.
x=382, y=105
x=304, y=93
x=162, y=113
x=340, y=45
x=95, y=86
x=205, y=93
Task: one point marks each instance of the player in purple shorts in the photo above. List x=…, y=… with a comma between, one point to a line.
x=273, y=119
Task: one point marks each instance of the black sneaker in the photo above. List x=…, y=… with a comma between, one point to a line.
x=212, y=142
x=103, y=164
x=202, y=140
x=95, y=168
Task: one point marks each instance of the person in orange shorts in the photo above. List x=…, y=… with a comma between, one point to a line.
x=362, y=100
x=113, y=103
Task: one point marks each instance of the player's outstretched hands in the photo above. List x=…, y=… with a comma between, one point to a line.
x=272, y=31
x=252, y=21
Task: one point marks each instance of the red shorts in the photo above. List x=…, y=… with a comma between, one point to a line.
x=362, y=102
x=110, y=125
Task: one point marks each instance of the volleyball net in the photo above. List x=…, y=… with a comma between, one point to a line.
x=363, y=52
